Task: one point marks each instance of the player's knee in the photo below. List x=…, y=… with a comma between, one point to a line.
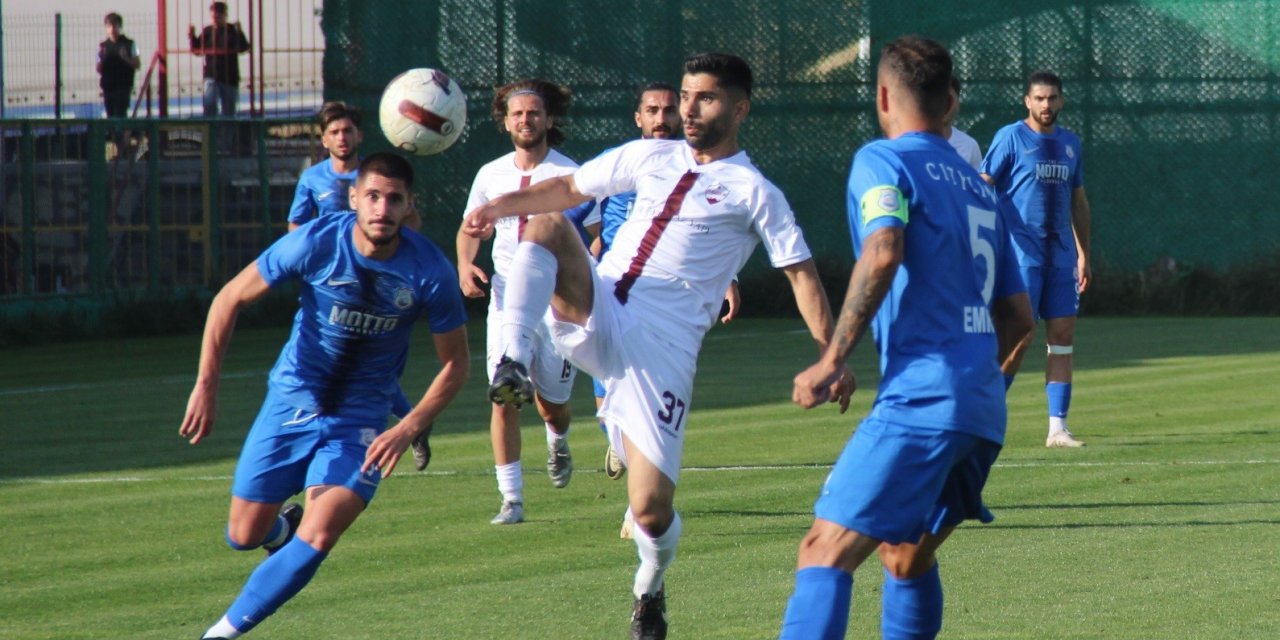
x=242, y=539
x=905, y=562
x=654, y=518
x=320, y=539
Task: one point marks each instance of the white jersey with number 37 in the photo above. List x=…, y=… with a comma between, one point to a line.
x=688, y=235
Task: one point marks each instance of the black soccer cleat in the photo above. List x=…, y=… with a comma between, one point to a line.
x=292, y=514
x=422, y=449
x=649, y=617
x=511, y=384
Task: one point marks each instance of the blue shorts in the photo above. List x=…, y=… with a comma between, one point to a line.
x=1054, y=291
x=894, y=483
x=289, y=449
x=595, y=384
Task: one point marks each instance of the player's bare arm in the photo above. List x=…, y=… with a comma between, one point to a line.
x=244, y=289
x=470, y=277
x=733, y=298
x=455, y=360
x=872, y=277
x=1013, y=321
x=556, y=194
x=811, y=299
x=1081, y=220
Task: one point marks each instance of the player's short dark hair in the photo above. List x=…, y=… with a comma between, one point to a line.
x=555, y=99
x=653, y=86
x=955, y=84
x=337, y=110
x=923, y=67
x=731, y=72
x=388, y=165
x=114, y=18
x=1044, y=77
x=219, y=8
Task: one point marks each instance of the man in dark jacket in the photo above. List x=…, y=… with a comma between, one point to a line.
x=117, y=65
x=220, y=43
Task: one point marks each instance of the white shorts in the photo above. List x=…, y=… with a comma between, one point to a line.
x=551, y=373
x=648, y=381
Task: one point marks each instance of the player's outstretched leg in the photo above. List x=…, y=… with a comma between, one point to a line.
x=280, y=577
x=911, y=607
x=559, y=460
x=511, y=384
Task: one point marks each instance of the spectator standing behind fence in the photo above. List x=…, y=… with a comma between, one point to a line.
x=220, y=44
x=117, y=65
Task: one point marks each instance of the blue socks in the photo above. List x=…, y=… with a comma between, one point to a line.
x=274, y=582
x=819, y=607
x=911, y=608
x=1059, y=396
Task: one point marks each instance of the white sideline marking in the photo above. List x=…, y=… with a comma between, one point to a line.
x=190, y=379
x=761, y=467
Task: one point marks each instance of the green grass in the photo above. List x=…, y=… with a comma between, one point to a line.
x=1164, y=526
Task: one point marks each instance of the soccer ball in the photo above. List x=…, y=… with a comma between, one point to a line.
x=423, y=111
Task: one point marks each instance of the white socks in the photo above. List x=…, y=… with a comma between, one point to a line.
x=510, y=481
x=555, y=440
x=1057, y=425
x=529, y=289
x=222, y=630
x=656, y=554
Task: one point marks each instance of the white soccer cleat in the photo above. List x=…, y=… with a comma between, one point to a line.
x=1062, y=440
x=511, y=513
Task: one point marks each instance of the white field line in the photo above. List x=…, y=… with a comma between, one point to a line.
x=739, y=468
x=190, y=379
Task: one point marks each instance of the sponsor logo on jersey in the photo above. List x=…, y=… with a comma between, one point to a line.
x=716, y=192
x=334, y=282
x=1071, y=153
x=1052, y=172
x=361, y=322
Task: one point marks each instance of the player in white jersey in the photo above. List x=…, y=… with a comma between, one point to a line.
x=637, y=319
x=963, y=143
x=527, y=110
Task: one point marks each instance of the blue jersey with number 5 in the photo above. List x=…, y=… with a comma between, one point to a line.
x=934, y=330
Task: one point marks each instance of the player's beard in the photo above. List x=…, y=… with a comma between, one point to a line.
x=707, y=135
x=381, y=240
x=529, y=143
x=344, y=157
x=1046, y=120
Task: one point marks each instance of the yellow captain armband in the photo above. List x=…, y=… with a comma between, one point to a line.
x=883, y=200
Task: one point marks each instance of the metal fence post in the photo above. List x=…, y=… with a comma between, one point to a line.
x=27, y=160
x=153, y=206
x=57, y=66
x=97, y=219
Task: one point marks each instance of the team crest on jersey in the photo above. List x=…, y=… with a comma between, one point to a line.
x=1071, y=153
x=716, y=192
x=404, y=298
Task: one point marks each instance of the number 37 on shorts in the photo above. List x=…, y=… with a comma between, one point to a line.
x=671, y=414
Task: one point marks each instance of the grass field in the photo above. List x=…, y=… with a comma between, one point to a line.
x=1167, y=525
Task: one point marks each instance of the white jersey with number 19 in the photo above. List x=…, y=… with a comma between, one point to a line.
x=692, y=228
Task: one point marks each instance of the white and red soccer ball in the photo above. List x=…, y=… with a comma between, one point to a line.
x=423, y=111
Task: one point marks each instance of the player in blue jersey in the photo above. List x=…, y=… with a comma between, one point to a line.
x=364, y=281
x=322, y=190
x=1040, y=166
x=936, y=281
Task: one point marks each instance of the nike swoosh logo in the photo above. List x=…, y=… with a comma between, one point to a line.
x=1030, y=149
x=324, y=195
x=341, y=283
